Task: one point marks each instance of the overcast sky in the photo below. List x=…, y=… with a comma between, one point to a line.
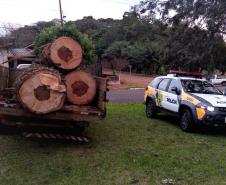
x=25, y=12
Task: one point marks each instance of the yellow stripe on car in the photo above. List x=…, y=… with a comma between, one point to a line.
x=148, y=92
x=200, y=111
x=189, y=98
x=151, y=91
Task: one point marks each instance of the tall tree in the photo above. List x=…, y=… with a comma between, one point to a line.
x=207, y=14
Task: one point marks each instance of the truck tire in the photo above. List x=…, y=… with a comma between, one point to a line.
x=150, y=109
x=186, y=121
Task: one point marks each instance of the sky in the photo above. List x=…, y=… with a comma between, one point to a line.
x=26, y=12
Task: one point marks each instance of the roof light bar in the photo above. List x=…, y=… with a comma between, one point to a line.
x=186, y=73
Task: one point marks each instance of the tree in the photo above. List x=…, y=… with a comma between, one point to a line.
x=24, y=35
x=193, y=49
x=195, y=32
x=206, y=14
x=118, y=49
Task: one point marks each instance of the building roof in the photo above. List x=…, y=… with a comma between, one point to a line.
x=21, y=52
x=30, y=46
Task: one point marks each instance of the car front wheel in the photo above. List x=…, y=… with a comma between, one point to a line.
x=186, y=121
x=150, y=110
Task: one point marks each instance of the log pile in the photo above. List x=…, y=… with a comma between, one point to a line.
x=42, y=89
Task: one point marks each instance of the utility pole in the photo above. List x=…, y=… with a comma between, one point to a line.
x=61, y=14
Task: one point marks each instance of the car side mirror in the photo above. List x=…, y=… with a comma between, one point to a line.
x=176, y=90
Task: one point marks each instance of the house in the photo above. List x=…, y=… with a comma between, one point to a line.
x=17, y=56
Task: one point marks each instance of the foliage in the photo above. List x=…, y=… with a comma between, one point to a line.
x=146, y=57
x=118, y=49
x=194, y=50
x=206, y=14
x=154, y=36
x=131, y=38
x=50, y=34
x=203, y=13
x=24, y=36
x=196, y=32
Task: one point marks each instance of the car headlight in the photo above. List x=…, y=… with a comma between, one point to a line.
x=210, y=108
x=206, y=107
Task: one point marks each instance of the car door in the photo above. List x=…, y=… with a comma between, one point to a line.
x=161, y=97
x=172, y=97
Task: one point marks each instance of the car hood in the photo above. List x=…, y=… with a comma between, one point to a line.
x=214, y=100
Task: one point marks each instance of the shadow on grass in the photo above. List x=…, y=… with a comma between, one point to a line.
x=201, y=129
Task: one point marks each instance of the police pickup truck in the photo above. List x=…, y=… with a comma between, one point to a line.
x=195, y=101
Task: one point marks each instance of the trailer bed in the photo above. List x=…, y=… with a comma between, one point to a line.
x=71, y=113
x=13, y=114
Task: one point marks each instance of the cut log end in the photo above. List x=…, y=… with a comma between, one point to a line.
x=65, y=53
x=81, y=88
x=41, y=92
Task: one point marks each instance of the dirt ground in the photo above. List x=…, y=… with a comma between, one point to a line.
x=130, y=81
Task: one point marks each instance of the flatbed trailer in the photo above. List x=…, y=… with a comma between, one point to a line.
x=14, y=115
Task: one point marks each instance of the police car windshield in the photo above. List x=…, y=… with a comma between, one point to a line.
x=198, y=86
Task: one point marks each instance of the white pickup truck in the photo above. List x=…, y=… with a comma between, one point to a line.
x=218, y=80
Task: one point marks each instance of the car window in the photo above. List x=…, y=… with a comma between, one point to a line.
x=174, y=83
x=155, y=82
x=163, y=84
x=197, y=86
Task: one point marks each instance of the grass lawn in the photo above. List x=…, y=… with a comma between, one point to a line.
x=127, y=148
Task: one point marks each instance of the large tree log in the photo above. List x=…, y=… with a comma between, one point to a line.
x=40, y=90
x=81, y=87
x=64, y=53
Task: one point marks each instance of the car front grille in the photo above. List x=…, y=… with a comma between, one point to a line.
x=221, y=109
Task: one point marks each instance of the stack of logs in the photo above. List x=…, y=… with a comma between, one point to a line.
x=42, y=89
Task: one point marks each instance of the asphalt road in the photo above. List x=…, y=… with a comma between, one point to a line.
x=133, y=96
x=125, y=96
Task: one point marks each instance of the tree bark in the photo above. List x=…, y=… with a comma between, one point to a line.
x=81, y=88
x=40, y=90
x=64, y=52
